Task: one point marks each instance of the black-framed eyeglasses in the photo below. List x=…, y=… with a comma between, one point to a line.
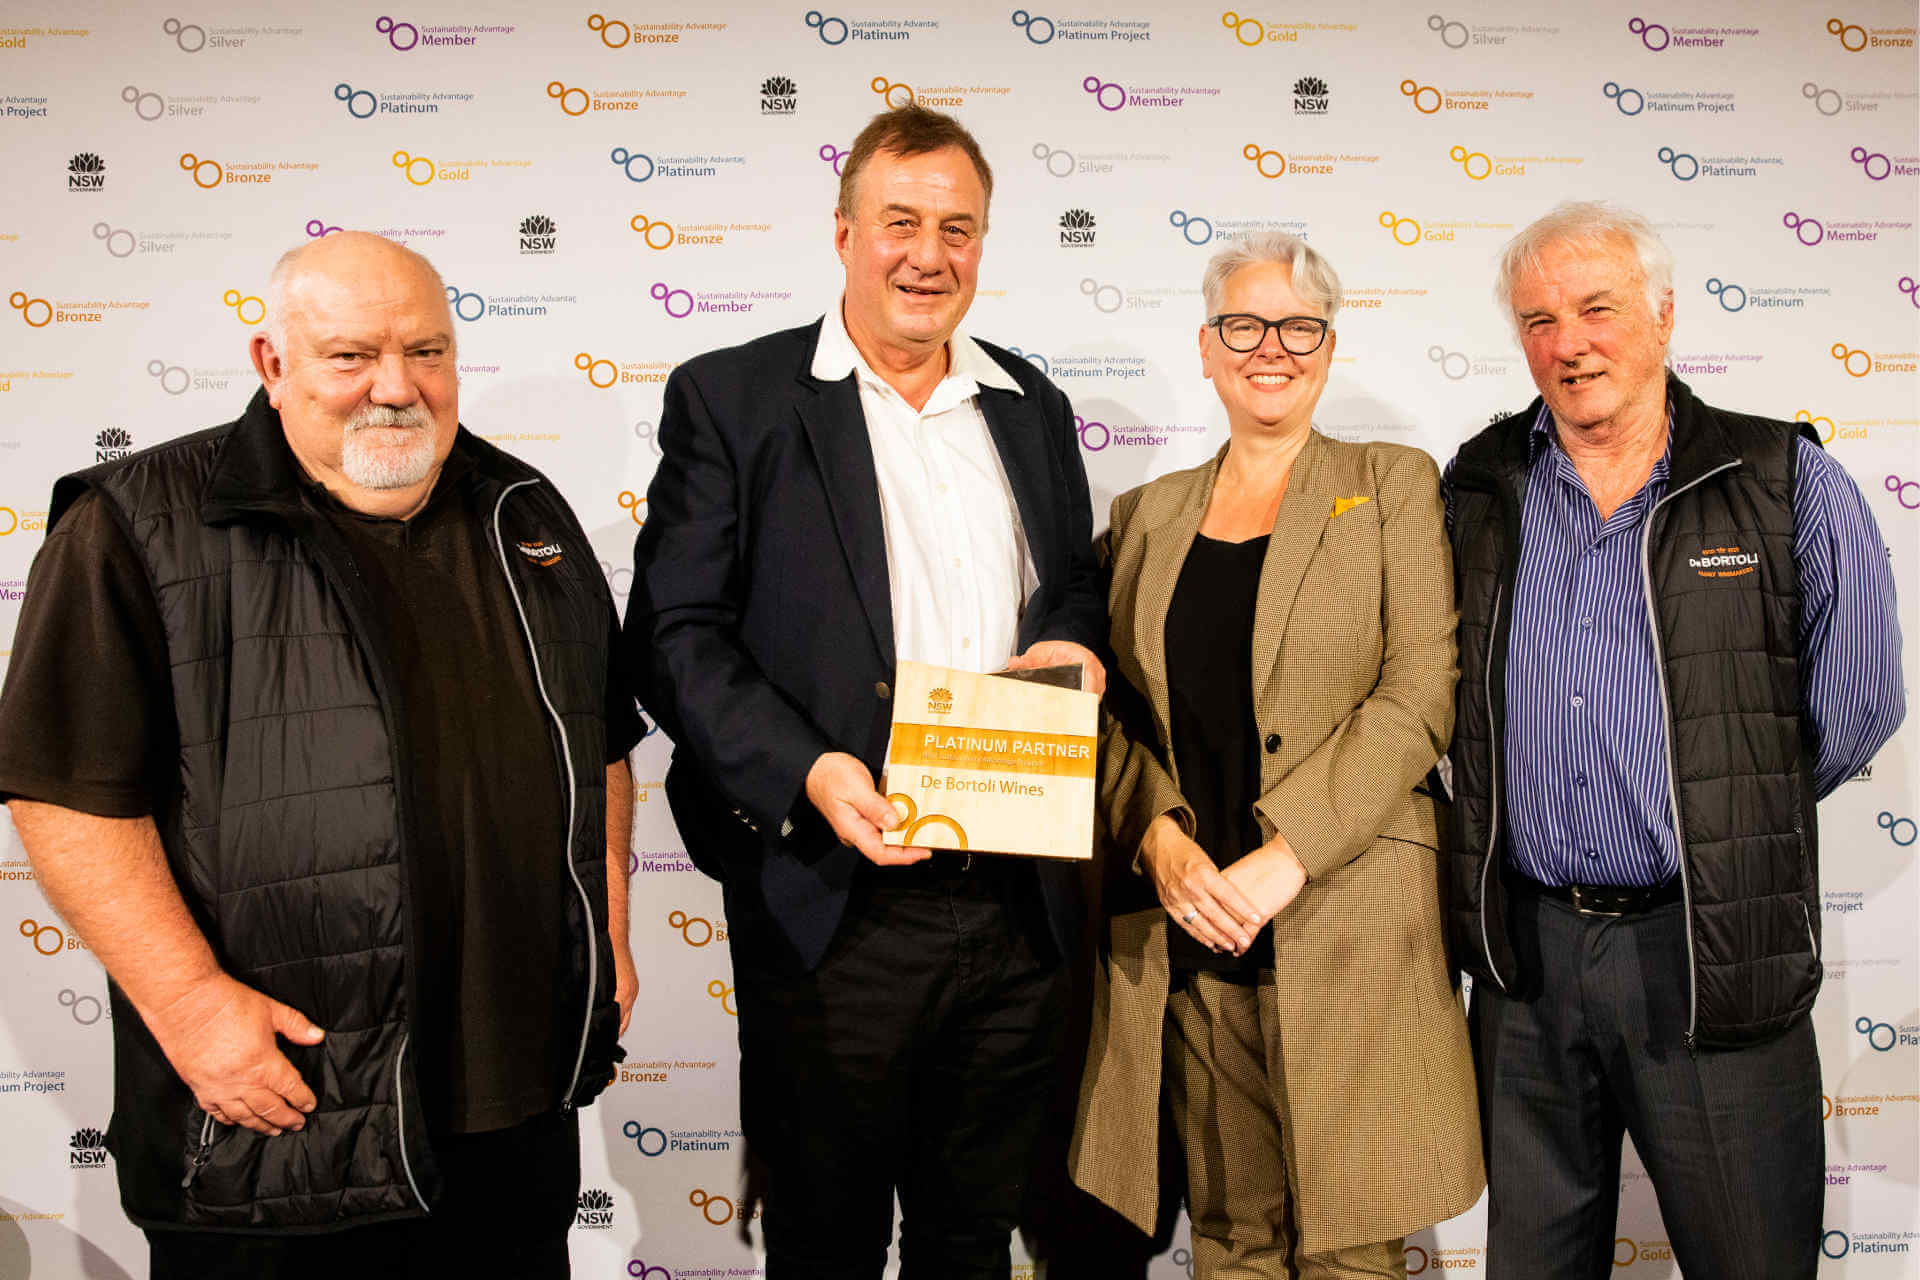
x=1243, y=332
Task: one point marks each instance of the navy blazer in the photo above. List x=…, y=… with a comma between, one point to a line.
x=760, y=622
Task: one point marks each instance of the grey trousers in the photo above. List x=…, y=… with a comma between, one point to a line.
x=1731, y=1138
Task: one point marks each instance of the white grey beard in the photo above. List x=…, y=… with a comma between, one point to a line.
x=374, y=465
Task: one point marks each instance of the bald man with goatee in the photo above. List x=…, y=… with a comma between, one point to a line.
x=313, y=734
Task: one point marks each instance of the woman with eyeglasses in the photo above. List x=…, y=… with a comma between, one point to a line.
x=1282, y=688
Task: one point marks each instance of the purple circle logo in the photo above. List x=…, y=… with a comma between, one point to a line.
x=677, y=302
x=1100, y=88
x=1807, y=231
x=1652, y=34
x=1872, y=163
x=401, y=35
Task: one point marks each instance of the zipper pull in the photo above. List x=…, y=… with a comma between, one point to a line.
x=1693, y=1046
x=199, y=1158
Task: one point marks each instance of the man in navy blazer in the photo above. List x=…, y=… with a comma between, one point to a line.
x=873, y=486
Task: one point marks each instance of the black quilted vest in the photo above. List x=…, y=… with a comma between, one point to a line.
x=284, y=831
x=1727, y=639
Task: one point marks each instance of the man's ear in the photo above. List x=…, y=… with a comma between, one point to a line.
x=841, y=230
x=268, y=363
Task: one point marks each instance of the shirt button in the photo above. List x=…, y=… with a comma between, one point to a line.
x=1579, y=779
x=1586, y=624
x=1579, y=701
x=940, y=488
x=881, y=690
x=1592, y=854
x=956, y=562
x=966, y=642
x=1273, y=743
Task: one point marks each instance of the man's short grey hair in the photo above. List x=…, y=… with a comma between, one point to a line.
x=1588, y=223
x=274, y=324
x=1314, y=278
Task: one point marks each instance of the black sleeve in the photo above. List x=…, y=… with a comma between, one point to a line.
x=625, y=725
x=86, y=715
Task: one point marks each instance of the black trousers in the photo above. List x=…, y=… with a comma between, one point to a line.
x=1731, y=1138
x=916, y=1059
x=508, y=1204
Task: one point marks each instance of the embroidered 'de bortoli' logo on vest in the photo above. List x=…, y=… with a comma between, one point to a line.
x=541, y=553
x=1724, y=562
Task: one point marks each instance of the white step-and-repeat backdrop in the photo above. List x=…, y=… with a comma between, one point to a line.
x=610, y=190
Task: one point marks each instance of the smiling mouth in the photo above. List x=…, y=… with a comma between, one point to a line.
x=919, y=291
x=1270, y=379
x=1580, y=379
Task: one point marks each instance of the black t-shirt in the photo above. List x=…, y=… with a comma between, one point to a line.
x=1216, y=745
x=86, y=722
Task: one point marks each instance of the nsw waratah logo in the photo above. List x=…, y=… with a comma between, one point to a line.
x=111, y=443
x=778, y=96
x=87, y=1149
x=1077, y=229
x=86, y=172
x=1310, y=97
x=538, y=234
x=594, y=1210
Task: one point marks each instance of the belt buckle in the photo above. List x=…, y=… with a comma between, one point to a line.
x=1583, y=909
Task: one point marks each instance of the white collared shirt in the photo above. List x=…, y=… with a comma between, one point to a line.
x=958, y=569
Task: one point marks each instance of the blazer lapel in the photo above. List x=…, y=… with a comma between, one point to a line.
x=1020, y=438
x=1297, y=527
x=1168, y=543
x=837, y=428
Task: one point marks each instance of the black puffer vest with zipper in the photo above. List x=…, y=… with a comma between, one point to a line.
x=285, y=830
x=1726, y=635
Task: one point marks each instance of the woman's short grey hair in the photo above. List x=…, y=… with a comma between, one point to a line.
x=1588, y=223
x=1314, y=278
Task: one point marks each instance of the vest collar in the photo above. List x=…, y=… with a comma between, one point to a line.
x=255, y=471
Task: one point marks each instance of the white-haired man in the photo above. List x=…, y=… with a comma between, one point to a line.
x=312, y=732
x=1677, y=631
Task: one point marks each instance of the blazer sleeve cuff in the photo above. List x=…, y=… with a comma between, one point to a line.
x=1321, y=843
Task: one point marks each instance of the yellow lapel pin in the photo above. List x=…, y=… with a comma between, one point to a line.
x=1343, y=505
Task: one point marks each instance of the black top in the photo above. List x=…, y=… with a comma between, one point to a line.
x=87, y=723
x=1216, y=745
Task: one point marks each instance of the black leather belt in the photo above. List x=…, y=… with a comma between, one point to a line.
x=1604, y=899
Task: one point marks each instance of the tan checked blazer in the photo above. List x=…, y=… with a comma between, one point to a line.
x=1353, y=660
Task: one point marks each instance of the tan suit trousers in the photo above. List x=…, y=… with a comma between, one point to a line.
x=1229, y=1100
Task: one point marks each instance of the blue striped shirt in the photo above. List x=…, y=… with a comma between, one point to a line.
x=1585, y=758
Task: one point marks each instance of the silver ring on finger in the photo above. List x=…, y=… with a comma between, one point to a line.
x=1191, y=915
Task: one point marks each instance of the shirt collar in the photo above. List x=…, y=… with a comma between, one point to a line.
x=1542, y=438
x=835, y=356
